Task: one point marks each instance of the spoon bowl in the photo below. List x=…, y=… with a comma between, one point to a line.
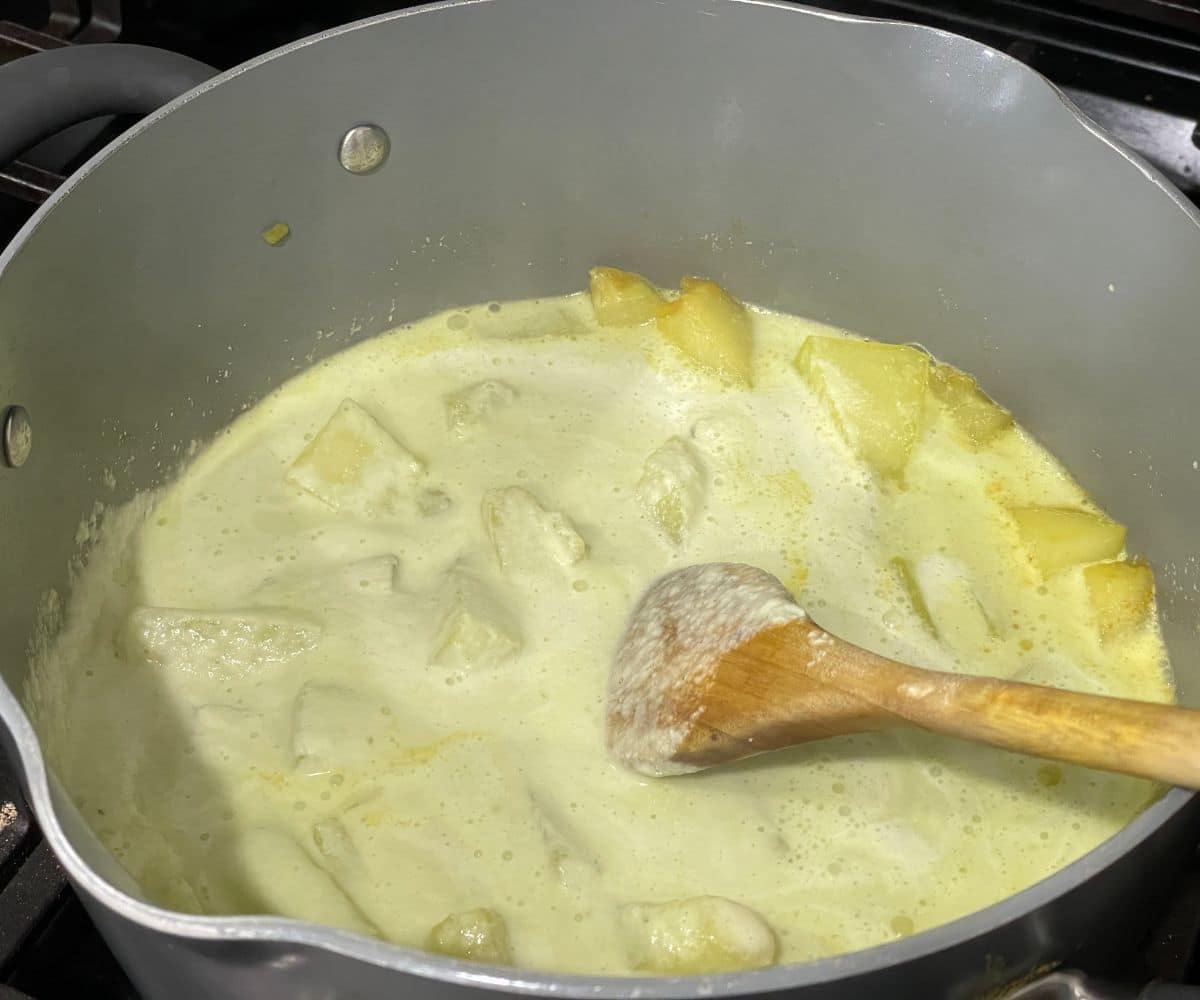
x=718, y=662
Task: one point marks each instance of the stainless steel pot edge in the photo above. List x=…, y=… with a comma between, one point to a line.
x=518, y=981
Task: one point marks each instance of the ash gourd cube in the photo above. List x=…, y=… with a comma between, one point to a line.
x=712, y=329
x=975, y=413
x=374, y=575
x=697, y=935
x=354, y=465
x=478, y=935
x=940, y=591
x=726, y=438
x=574, y=864
x=471, y=408
x=1120, y=591
x=336, y=848
x=1121, y=594
x=526, y=537
x=227, y=645
x=705, y=323
x=476, y=629
x=622, y=298
x=874, y=392
x=672, y=488
x=1059, y=537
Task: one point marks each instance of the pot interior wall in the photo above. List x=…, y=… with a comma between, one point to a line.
x=912, y=192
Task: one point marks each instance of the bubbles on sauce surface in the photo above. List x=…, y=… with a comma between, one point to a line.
x=452, y=779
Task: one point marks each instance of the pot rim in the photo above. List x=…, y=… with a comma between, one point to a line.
x=402, y=959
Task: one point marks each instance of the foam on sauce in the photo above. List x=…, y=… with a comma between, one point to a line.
x=375, y=705
x=699, y=610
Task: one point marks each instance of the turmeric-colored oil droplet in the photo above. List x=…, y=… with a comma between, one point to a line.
x=1048, y=775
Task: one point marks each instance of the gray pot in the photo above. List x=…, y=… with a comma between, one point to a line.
x=903, y=182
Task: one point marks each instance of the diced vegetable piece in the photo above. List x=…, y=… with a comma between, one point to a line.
x=973, y=411
x=622, y=298
x=226, y=645
x=712, y=328
x=374, y=575
x=353, y=464
x=433, y=502
x=526, y=536
x=336, y=847
x=876, y=393
x=476, y=629
x=726, y=438
x=908, y=582
x=477, y=935
x=950, y=602
x=473, y=406
x=573, y=863
x=377, y=575
x=276, y=875
x=672, y=488
x=1121, y=594
x=328, y=725
x=702, y=934
x=1059, y=537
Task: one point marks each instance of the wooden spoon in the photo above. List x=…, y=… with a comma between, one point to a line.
x=718, y=662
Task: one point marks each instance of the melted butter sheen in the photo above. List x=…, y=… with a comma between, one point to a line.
x=358, y=677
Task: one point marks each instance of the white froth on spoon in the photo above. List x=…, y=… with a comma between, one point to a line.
x=678, y=632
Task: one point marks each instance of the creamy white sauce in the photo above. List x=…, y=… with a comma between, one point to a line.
x=378, y=707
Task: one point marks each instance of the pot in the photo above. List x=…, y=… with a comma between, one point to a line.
x=899, y=181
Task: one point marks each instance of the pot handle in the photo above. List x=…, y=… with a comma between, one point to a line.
x=43, y=93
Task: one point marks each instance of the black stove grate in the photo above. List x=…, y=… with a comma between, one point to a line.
x=49, y=949
x=1133, y=66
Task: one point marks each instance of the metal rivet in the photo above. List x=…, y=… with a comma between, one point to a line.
x=18, y=436
x=364, y=149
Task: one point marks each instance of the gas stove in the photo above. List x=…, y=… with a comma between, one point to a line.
x=1131, y=65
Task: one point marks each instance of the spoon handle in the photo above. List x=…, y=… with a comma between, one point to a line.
x=1113, y=734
